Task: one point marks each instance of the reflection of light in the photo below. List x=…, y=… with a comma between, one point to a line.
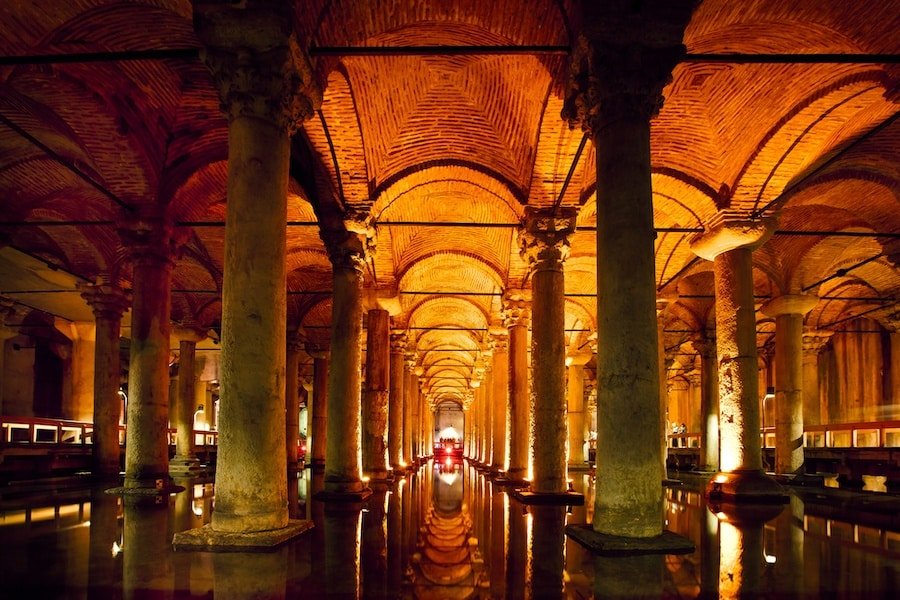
x=365, y=479
x=116, y=549
x=449, y=478
x=197, y=507
x=569, y=361
x=730, y=570
x=720, y=478
x=770, y=559
x=448, y=461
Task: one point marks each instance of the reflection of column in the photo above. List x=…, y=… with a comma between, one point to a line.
x=375, y=403
x=709, y=552
x=741, y=549
x=108, y=303
x=498, y=542
x=414, y=412
x=147, y=560
x=292, y=404
x=341, y=528
x=813, y=342
x=729, y=244
x=499, y=397
x=151, y=247
x=239, y=575
x=395, y=535
x=104, y=532
x=629, y=576
x=545, y=247
x=789, y=545
x=185, y=460
x=661, y=305
x=788, y=311
x=548, y=561
x=320, y=406
x=516, y=317
x=395, y=403
x=259, y=79
x=487, y=412
x=617, y=89
x=347, y=251
x=373, y=551
x=709, y=404
x=575, y=400
x=517, y=552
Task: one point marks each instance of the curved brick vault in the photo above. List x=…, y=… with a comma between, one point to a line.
x=448, y=139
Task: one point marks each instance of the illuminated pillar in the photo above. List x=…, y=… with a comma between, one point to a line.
x=375, y=403
x=729, y=244
x=788, y=311
x=266, y=90
x=516, y=317
x=813, y=343
x=395, y=403
x=409, y=392
x=575, y=401
x=151, y=247
x=617, y=77
x=661, y=305
x=319, y=406
x=709, y=404
x=499, y=397
x=347, y=251
x=292, y=403
x=415, y=434
x=182, y=413
x=108, y=302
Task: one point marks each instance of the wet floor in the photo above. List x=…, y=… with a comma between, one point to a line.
x=444, y=532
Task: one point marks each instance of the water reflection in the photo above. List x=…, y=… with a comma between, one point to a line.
x=445, y=531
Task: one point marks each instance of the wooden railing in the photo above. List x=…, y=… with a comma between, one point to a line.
x=877, y=434
x=37, y=431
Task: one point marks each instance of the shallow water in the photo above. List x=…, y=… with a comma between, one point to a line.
x=444, y=532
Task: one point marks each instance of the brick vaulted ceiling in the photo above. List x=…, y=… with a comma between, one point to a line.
x=440, y=139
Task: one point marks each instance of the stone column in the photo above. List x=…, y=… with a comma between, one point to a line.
x=292, y=403
x=619, y=70
x=320, y=407
x=185, y=461
x=395, y=404
x=892, y=324
x=375, y=403
x=545, y=247
x=487, y=411
x=709, y=404
x=516, y=318
x=151, y=247
x=575, y=401
x=267, y=89
x=661, y=305
x=347, y=251
x=813, y=342
x=78, y=400
x=409, y=393
x=729, y=244
x=7, y=310
x=108, y=302
x=788, y=311
x=415, y=435
x=499, y=397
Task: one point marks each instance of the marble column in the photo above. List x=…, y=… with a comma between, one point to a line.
x=415, y=434
x=709, y=404
x=813, y=343
x=409, y=393
x=788, y=311
x=151, y=248
x=575, y=402
x=292, y=403
x=661, y=305
x=729, y=244
x=320, y=406
x=545, y=247
x=395, y=403
x=182, y=414
x=618, y=71
x=267, y=89
x=487, y=411
x=108, y=302
x=343, y=468
x=499, y=397
x=516, y=318
x=375, y=403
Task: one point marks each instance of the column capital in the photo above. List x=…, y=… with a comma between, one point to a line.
x=149, y=240
x=316, y=351
x=544, y=237
x=294, y=344
x=398, y=341
x=106, y=300
x=348, y=248
x=498, y=340
x=814, y=340
x=789, y=304
x=410, y=361
x=727, y=232
x=257, y=65
x=705, y=346
x=515, y=307
x=579, y=359
x=188, y=332
x=892, y=322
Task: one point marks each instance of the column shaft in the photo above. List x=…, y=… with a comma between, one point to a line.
x=107, y=403
x=519, y=409
x=395, y=404
x=788, y=393
x=575, y=399
x=375, y=405
x=342, y=467
x=500, y=400
x=320, y=410
x=548, y=359
x=414, y=435
x=292, y=404
x=628, y=498
x=709, y=409
x=251, y=478
x=408, y=395
x=487, y=417
x=738, y=368
x=183, y=413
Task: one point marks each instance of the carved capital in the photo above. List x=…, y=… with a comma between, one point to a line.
x=317, y=351
x=399, y=340
x=150, y=241
x=815, y=340
x=544, y=237
x=107, y=300
x=410, y=361
x=729, y=232
x=516, y=307
x=256, y=63
x=706, y=347
x=499, y=342
x=346, y=250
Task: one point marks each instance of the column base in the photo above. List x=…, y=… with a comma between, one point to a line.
x=148, y=488
x=549, y=498
x=181, y=466
x=579, y=468
x=317, y=465
x=506, y=480
x=343, y=491
x=206, y=539
x=613, y=545
x=752, y=486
